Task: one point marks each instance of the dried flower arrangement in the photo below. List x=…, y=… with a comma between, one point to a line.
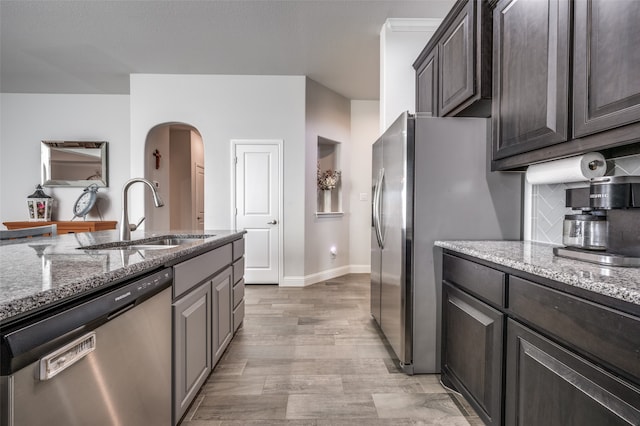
x=328, y=179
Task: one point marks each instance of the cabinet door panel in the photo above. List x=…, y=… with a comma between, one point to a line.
x=222, y=312
x=606, y=63
x=548, y=385
x=192, y=346
x=472, y=350
x=427, y=85
x=531, y=75
x=457, y=61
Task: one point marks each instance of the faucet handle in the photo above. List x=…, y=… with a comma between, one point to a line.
x=134, y=227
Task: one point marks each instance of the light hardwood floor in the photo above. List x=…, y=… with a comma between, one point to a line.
x=313, y=356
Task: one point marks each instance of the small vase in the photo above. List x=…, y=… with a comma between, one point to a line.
x=327, y=201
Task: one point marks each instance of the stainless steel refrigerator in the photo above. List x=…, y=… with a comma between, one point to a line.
x=431, y=181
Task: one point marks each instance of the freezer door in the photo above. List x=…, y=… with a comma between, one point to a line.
x=395, y=223
x=457, y=197
x=376, y=250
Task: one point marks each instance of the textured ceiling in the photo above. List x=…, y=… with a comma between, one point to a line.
x=92, y=46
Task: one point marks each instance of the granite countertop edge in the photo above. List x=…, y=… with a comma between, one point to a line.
x=38, y=300
x=616, y=282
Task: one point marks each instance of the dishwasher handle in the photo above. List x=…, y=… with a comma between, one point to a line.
x=64, y=357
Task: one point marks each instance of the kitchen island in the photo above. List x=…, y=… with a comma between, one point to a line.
x=532, y=338
x=40, y=273
x=130, y=330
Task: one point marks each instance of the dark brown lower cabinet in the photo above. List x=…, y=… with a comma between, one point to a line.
x=472, y=351
x=522, y=353
x=547, y=384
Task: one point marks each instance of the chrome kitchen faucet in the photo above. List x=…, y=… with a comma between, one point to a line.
x=125, y=227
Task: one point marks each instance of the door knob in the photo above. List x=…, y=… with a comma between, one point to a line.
x=273, y=222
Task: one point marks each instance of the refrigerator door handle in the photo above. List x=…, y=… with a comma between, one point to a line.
x=374, y=195
x=380, y=199
x=378, y=208
x=374, y=208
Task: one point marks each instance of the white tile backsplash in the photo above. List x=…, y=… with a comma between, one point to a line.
x=547, y=201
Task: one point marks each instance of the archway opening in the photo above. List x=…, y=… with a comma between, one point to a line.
x=174, y=162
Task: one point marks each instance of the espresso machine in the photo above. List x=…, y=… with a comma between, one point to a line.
x=606, y=230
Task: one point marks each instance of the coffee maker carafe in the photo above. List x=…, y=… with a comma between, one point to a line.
x=607, y=231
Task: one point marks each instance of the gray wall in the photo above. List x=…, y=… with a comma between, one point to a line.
x=328, y=114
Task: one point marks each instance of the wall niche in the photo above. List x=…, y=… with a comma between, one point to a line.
x=329, y=201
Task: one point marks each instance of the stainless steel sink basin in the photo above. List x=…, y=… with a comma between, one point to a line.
x=154, y=243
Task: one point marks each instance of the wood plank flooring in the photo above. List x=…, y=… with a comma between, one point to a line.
x=313, y=356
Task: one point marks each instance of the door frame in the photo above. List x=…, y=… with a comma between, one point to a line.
x=232, y=163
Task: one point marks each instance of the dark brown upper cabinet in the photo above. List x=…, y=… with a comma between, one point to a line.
x=566, y=80
x=427, y=84
x=453, y=71
x=531, y=75
x=606, y=77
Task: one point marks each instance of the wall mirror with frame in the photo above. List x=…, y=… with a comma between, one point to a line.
x=74, y=163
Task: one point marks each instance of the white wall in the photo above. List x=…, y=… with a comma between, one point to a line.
x=221, y=108
x=401, y=41
x=365, y=117
x=327, y=115
x=157, y=219
x=27, y=119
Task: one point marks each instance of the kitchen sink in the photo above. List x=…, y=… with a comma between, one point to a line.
x=154, y=243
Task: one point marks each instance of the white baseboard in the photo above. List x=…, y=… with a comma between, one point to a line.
x=360, y=269
x=303, y=281
x=292, y=281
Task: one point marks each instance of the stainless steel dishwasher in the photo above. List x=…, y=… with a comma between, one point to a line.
x=106, y=361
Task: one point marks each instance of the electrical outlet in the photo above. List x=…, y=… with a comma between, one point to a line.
x=364, y=196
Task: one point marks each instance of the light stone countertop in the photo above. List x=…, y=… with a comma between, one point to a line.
x=38, y=273
x=538, y=259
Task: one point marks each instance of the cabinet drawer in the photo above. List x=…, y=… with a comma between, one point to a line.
x=193, y=271
x=238, y=249
x=612, y=337
x=238, y=316
x=480, y=280
x=238, y=270
x=548, y=385
x=238, y=292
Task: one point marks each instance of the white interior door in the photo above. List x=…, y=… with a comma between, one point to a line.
x=198, y=211
x=257, y=197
